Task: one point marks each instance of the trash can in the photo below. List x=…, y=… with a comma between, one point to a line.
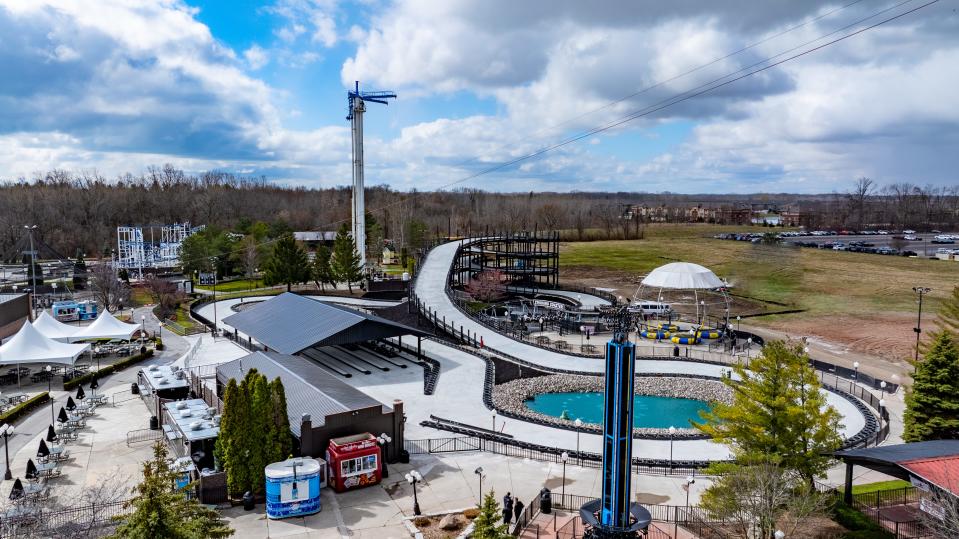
x=545, y=501
x=134, y=388
x=675, y=351
x=404, y=456
x=154, y=423
x=248, y=504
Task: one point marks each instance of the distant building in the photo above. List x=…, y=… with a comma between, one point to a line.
x=14, y=311
x=312, y=240
x=389, y=255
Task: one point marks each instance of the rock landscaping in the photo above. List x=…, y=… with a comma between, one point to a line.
x=511, y=396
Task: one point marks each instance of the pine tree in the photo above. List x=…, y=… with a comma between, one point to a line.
x=287, y=265
x=932, y=403
x=949, y=313
x=282, y=439
x=346, y=260
x=160, y=511
x=322, y=268
x=484, y=526
x=778, y=412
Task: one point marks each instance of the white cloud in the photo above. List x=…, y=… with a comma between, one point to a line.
x=256, y=56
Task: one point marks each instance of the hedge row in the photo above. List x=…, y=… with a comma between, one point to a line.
x=109, y=369
x=24, y=407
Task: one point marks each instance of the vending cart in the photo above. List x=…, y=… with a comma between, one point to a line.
x=293, y=487
x=354, y=462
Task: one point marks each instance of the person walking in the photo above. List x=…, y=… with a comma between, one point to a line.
x=518, y=510
x=507, y=508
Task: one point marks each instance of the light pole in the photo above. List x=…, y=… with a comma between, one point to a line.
x=414, y=477
x=918, y=329
x=143, y=328
x=749, y=345
x=49, y=371
x=213, y=261
x=689, y=482
x=7, y=431
x=493, y=415
x=579, y=425
x=882, y=407
x=54, y=285
x=160, y=332
x=384, y=440
x=479, y=472
x=33, y=265
x=882, y=386
x=672, y=434
x=738, y=319
x=855, y=365
x=564, y=457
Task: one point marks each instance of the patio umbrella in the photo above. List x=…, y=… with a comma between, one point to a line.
x=31, y=469
x=80, y=394
x=43, y=451
x=17, y=491
x=94, y=385
x=62, y=416
x=51, y=434
x=71, y=405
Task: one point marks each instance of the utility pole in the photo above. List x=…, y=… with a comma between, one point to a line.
x=357, y=106
x=33, y=269
x=918, y=329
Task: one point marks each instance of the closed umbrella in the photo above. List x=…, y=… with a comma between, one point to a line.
x=43, y=451
x=80, y=394
x=51, y=434
x=62, y=416
x=17, y=491
x=71, y=405
x=94, y=385
x=31, y=470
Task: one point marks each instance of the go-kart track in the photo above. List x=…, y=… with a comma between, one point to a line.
x=459, y=392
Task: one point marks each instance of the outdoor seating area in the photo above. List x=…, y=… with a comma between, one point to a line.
x=47, y=465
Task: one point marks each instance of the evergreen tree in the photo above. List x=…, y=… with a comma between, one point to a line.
x=949, y=313
x=346, y=260
x=80, y=272
x=323, y=268
x=232, y=441
x=287, y=264
x=161, y=511
x=777, y=412
x=374, y=237
x=280, y=427
x=261, y=435
x=932, y=403
x=484, y=526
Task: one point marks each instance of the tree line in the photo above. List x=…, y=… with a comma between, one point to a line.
x=80, y=212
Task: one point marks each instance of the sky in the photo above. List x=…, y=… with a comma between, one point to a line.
x=259, y=89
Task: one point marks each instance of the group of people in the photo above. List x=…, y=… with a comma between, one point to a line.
x=511, y=509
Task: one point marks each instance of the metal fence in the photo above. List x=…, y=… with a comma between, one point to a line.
x=91, y=520
x=143, y=435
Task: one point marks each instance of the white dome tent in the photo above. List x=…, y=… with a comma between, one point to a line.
x=689, y=289
x=52, y=328
x=106, y=326
x=30, y=346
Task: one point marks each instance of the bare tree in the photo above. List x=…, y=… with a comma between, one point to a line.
x=486, y=286
x=107, y=288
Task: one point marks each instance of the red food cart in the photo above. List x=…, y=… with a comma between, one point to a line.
x=354, y=462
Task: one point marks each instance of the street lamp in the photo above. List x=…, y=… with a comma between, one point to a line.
x=855, y=365
x=143, y=327
x=493, y=414
x=7, y=431
x=384, y=440
x=49, y=370
x=918, y=329
x=779, y=534
x=749, y=345
x=564, y=457
x=882, y=406
x=479, y=471
x=738, y=319
x=579, y=425
x=882, y=386
x=54, y=285
x=689, y=481
x=672, y=434
x=414, y=477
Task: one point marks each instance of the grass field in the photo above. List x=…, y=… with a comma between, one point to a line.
x=821, y=281
x=235, y=286
x=880, y=486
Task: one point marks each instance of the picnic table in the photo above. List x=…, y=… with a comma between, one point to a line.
x=48, y=469
x=587, y=348
x=23, y=371
x=20, y=513
x=57, y=454
x=97, y=399
x=561, y=345
x=542, y=339
x=36, y=490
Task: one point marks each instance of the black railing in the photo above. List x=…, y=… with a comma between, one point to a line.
x=79, y=521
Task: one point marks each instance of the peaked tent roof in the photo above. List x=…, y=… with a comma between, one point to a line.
x=683, y=275
x=30, y=346
x=106, y=326
x=290, y=323
x=52, y=328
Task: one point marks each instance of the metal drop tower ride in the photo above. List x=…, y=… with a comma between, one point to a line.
x=357, y=104
x=614, y=515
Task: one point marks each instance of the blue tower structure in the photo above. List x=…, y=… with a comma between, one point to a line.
x=614, y=515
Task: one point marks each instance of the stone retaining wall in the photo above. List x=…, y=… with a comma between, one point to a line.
x=510, y=397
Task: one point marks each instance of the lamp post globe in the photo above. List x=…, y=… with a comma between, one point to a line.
x=779, y=534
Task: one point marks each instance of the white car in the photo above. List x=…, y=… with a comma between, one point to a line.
x=910, y=237
x=908, y=231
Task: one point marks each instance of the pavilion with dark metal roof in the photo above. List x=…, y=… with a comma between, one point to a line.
x=290, y=323
x=933, y=463
x=320, y=406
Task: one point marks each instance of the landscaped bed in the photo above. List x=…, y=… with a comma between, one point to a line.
x=443, y=525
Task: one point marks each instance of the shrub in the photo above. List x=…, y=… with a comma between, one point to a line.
x=24, y=407
x=859, y=525
x=422, y=522
x=109, y=369
x=159, y=343
x=471, y=513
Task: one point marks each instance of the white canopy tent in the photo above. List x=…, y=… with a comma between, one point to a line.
x=683, y=276
x=30, y=346
x=52, y=328
x=106, y=327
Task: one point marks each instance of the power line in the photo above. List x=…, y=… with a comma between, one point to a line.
x=679, y=98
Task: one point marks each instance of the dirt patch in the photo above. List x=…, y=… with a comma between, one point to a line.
x=886, y=336
x=430, y=527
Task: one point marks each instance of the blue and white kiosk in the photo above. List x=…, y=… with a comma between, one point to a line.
x=293, y=487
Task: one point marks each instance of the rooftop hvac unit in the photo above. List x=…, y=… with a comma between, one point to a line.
x=216, y=420
x=196, y=425
x=185, y=413
x=181, y=405
x=152, y=368
x=164, y=381
x=180, y=375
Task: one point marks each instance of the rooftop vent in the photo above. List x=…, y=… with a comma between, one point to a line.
x=185, y=413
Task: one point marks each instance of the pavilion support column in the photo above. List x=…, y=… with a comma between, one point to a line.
x=419, y=348
x=847, y=491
